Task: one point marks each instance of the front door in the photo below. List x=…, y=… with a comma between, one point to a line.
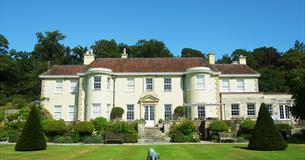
x=149, y=115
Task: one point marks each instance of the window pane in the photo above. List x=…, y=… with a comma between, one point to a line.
x=57, y=112
x=225, y=85
x=201, y=112
x=251, y=109
x=149, y=84
x=130, y=84
x=73, y=84
x=167, y=112
x=71, y=113
x=282, y=116
x=58, y=86
x=200, y=82
x=240, y=85
x=108, y=83
x=167, y=84
x=96, y=110
x=235, y=110
x=97, y=83
x=130, y=112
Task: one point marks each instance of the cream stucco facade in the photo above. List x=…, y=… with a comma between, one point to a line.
x=205, y=91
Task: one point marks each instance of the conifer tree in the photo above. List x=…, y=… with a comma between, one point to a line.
x=32, y=136
x=265, y=135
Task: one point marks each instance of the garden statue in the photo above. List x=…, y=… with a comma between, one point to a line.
x=152, y=154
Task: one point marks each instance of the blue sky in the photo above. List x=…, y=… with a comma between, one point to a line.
x=207, y=25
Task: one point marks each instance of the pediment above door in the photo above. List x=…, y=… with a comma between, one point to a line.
x=149, y=98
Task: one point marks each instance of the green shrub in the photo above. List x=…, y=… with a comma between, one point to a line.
x=116, y=113
x=93, y=139
x=186, y=127
x=13, y=136
x=298, y=138
x=130, y=138
x=32, y=136
x=74, y=135
x=121, y=127
x=178, y=137
x=100, y=124
x=265, y=134
x=193, y=137
x=63, y=139
x=179, y=112
x=218, y=126
x=54, y=127
x=246, y=128
x=2, y=116
x=214, y=137
x=285, y=129
x=84, y=128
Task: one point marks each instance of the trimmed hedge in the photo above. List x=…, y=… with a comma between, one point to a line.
x=32, y=137
x=179, y=112
x=54, y=127
x=246, y=129
x=265, y=135
x=84, y=128
x=130, y=138
x=285, y=129
x=116, y=113
x=93, y=139
x=63, y=139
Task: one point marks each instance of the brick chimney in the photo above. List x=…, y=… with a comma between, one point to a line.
x=89, y=57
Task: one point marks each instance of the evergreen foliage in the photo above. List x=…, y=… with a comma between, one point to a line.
x=265, y=134
x=116, y=112
x=32, y=137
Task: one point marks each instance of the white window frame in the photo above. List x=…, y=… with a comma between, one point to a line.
x=270, y=109
x=167, y=84
x=96, y=110
x=73, y=86
x=108, y=83
x=240, y=85
x=59, y=85
x=168, y=112
x=284, y=112
x=130, y=112
x=151, y=84
x=71, y=113
x=57, y=112
x=201, y=112
x=225, y=84
x=251, y=112
x=130, y=85
x=97, y=85
x=200, y=82
x=235, y=112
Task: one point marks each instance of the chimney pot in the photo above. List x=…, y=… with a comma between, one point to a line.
x=211, y=58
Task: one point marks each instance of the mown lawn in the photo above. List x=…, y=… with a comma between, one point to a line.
x=138, y=152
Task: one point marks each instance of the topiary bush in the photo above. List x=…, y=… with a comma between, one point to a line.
x=32, y=137
x=130, y=138
x=54, y=127
x=285, y=129
x=116, y=113
x=246, y=129
x=218, y=126
x=93, y=139
x=179, y=112
x=265, y=134
x=100, y=124
x=63, y=139
x=84, y=128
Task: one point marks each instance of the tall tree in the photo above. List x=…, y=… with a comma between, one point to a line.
x=49, y=48
x=263, y=57
x=226, y=59
x=3, y=44
x=189, y=52
x=75, y=55
x=150, y=49
x=106, y=49
x=272, y=80
x=238, y=52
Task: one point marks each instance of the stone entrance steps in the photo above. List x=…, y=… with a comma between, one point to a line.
x=153, y=135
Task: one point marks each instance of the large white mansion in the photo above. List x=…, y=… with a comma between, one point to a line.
x=151, y=88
